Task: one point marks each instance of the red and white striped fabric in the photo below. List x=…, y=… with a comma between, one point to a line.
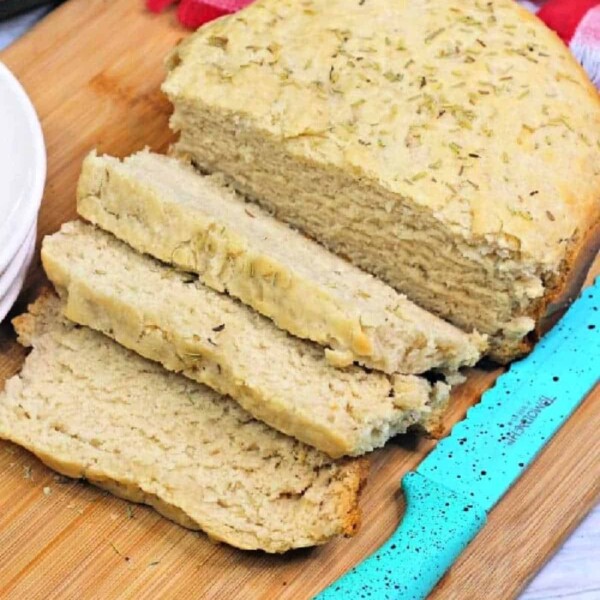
x=577, y=22
x=193, y=13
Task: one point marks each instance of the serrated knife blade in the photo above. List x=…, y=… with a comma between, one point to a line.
x=460, y=481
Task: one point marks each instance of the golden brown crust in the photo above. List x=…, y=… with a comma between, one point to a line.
x=357, y=472
x=561, y=292
x=508, y=352
x=577, y=264
x=25, y=324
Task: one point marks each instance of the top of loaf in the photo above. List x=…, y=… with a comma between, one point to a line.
x=473, y=110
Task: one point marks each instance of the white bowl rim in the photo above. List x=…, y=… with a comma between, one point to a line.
x=10, y=296
x=28, y=214
x=10, y=275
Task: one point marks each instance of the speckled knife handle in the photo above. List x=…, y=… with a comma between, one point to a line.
x=516, y=418
x=436, y=527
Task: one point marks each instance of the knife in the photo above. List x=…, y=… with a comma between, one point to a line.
x=451, y=492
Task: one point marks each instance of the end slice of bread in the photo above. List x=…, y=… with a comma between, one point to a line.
x=162, y=207
x=172, y=318
x=89, y=408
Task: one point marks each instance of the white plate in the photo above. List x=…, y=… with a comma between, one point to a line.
x=9, y=297
x=11, y=274
x=22, y=166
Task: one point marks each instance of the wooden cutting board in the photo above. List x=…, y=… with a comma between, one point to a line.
x=93, y=70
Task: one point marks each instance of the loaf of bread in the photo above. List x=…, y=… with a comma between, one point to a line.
x=160, y=206
x=89, y=408
x=449, y=147
x=172, y=318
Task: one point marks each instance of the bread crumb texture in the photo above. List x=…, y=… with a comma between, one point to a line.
x=89, y=408
x=172, y=318
x=160, y=206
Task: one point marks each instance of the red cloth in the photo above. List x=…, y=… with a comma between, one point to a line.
x=577, y=22
x=193, y=13
x=564, y=16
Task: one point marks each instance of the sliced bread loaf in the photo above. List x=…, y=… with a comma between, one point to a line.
x=162, y=207
x=90, y=408
x=450, y=147
x=171, y=317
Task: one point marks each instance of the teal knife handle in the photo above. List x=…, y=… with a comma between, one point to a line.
x=437, y=526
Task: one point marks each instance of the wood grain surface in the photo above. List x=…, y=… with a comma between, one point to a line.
x=93, y=69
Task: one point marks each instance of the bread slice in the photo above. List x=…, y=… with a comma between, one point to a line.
x=449, y=147
x=89, y=408
x=160, y=206
x=172, y=318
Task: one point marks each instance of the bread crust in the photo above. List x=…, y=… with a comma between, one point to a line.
x=561, y=292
